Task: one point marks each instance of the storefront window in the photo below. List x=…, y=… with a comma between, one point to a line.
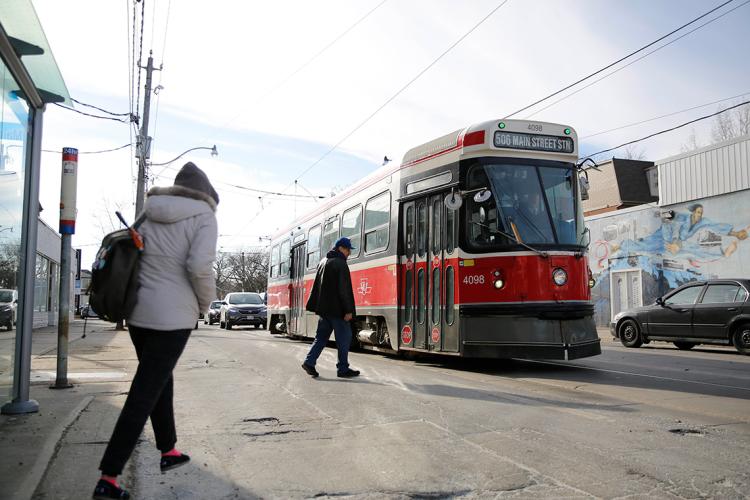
x=13, y=127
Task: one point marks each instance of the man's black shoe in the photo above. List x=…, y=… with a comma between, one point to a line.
x=349, y=373
x=310, y=370
x=172, y=462
x=105, y=489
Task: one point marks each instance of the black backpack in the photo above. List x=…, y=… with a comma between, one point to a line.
x=114, y=273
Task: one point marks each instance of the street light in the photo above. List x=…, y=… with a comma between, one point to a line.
x=214, y=152
x=139, y=199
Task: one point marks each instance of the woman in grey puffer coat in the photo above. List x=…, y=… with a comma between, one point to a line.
x=176, y=282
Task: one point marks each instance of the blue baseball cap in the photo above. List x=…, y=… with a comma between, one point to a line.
x=344, y=242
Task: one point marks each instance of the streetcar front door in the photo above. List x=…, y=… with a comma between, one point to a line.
x=427, y=280
x=297, y=291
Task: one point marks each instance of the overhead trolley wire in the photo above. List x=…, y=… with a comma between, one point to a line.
x=304, y=65
x=662, y=116
x=619, y=60
x=98, y=108
x=636, y=60
x=668, y=130
x=388, y=101
x=408, y=84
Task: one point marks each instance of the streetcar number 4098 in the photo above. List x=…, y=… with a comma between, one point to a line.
x=474, y=279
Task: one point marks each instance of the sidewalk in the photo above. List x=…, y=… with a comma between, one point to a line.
x=72, y=425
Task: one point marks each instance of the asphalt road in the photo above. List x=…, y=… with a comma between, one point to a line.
x=651, y=422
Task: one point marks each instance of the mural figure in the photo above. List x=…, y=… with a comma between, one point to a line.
x=699, y=239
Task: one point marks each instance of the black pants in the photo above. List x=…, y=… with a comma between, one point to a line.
x=151, y=394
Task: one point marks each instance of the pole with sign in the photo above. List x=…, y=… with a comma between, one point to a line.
x=68, y=189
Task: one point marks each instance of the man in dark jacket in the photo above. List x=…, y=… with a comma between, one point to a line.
x=332, y=299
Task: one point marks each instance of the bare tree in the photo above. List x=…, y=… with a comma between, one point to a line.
x=731, y=124
x=633, y=152
x=692, y=142
x=245, y=270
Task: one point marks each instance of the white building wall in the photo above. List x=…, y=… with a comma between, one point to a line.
x=714, y=170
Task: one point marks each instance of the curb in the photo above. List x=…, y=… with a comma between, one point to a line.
x=48, y=451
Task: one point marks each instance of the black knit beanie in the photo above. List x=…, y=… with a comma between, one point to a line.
x=190, y=176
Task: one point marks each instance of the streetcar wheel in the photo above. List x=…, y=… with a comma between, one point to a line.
x=684, y=346
x=741, y=338
x=630, y=334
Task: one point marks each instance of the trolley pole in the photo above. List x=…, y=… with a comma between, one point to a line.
x=67, y=229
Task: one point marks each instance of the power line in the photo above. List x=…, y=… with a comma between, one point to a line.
x=304, y=65
x=92, y=115
x=91, y=152
x=98, y=108
x=618, y=61
x=636, y=60
x=390, y=99
x=255, y=190
x=669, y=129
x=662, y=116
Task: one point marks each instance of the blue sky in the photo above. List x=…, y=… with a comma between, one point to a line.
x=224, y=63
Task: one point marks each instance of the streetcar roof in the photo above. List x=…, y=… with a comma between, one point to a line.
x=474, y=137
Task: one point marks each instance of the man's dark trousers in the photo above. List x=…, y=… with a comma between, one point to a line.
x=343, y=334
x=151, y=394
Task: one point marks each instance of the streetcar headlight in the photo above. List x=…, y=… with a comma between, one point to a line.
x=559, y=276
x=592, y=283
x=499, y=284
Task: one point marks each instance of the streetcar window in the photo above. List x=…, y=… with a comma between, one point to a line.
x=436, y=296
x=437, y=205
x=377, y=222
x=408, y=301
x=533, y=202
x=351, y=227
x=410, y=231
x=449, y=298
x=330, y=233
x=274, y=261
x=421, y=229
x=420, y=297
x=313, y=246
x=284, y=258
x=450, y=231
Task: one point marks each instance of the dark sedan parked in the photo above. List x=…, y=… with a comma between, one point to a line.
x=700, y=312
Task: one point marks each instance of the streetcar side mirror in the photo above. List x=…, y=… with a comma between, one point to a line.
x=482, y=196
x=482, y=215
x=453, y=201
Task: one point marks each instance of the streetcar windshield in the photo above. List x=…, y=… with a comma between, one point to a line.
x=532, y=202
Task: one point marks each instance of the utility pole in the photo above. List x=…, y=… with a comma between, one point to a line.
x=144, y=148
x=144, y=141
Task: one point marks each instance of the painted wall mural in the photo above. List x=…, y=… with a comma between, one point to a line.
x=670, y=246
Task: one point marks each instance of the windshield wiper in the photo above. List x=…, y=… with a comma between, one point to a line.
x=511, y=237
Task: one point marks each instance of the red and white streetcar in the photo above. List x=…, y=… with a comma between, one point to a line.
x=473, y=246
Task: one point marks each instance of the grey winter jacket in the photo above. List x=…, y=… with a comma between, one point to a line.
x=176, y=279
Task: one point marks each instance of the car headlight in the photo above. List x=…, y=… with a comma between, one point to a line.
x=559, y=276
x=233, y=310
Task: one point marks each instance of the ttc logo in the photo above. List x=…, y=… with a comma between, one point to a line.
x=364, y=287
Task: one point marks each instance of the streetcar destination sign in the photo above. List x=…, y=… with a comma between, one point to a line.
x=535, y=142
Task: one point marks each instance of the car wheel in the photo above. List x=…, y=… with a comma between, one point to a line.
x=228, y=325
x=741, y=338
x=630, y=334
x=221, y=324
x=9, y=326
x=684, y=346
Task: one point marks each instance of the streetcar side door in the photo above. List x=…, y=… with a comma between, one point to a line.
x=297, y=291
x=407, y=283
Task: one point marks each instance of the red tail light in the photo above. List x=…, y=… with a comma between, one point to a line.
x=474, y=138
